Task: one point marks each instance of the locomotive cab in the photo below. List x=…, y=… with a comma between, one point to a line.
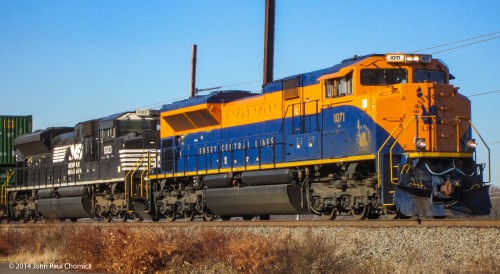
x=423, y=132
x=402, y=108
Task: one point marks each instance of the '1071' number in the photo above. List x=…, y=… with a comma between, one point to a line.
x=339, y=117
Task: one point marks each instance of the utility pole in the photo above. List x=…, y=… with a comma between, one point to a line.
x=269, y=41
x=193, y=72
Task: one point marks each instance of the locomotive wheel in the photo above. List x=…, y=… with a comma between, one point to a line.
x=138, y=218
x=360, y=212
x=189, y=216
x=155, y=218
x=208, y=217
x=31, y=220
x=4, y=220
x=124, y=216
x=372, y=213
x=247, y=217
x=328, y=215
x=170, y=216
x=393, y=213
x=390, y=212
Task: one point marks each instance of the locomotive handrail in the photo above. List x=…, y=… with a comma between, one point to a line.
x=145, y=171
x=484, y=142
x=129, y=188
x=378, y=155
x=3, y=188
x=394, y=144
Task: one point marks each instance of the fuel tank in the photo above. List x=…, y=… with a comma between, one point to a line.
x=254, y=200
x=72, y=207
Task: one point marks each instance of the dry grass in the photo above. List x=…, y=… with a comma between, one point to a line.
x=208, y=250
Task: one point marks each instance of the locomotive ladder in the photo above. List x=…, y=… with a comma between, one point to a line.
x=3, y=192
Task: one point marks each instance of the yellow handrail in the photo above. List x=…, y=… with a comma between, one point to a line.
x=144, y=186
x=3, y=188
x=129, y=188
x=378, y=155
x=394, y=144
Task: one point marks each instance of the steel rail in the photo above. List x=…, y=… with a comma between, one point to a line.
x=424, y=223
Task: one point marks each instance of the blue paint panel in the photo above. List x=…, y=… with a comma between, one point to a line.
x=343, y=135
x=335, y=135
x=335, y=144
x=303, y=147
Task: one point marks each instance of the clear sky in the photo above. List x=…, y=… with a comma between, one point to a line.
x=70, y=61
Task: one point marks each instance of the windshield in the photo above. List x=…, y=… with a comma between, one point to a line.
x=382, y=77
x=136, y=125
x=430, y=76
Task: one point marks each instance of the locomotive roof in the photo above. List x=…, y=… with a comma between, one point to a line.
x=306, y=79
x=311, y=78
x=113, y=117
x=213, y=97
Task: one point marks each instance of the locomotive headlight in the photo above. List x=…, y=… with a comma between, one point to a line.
x=412, y=58
x=471, y=144
x=420, y=143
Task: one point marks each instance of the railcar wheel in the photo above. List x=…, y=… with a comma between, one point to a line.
x=360, y=212
x=208, y=217
x=328, y=215
x=74, y=220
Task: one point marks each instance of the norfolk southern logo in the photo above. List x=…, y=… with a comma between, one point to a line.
x=363, y=137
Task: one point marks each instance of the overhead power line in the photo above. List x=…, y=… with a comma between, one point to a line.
x=483, y=93
x=463, y=40
x=466, y=45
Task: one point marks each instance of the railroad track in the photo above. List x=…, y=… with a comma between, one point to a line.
x=476, y=223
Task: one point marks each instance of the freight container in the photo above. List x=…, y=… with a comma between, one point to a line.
x=10, y=128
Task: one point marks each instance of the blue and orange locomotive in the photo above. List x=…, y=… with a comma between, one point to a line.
x=376, y=134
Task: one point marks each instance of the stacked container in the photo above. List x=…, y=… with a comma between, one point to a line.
x=10, y=128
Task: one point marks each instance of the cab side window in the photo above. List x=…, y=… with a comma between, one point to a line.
x=338, y=87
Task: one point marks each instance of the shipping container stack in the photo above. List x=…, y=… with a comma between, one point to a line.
x=10, y=128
